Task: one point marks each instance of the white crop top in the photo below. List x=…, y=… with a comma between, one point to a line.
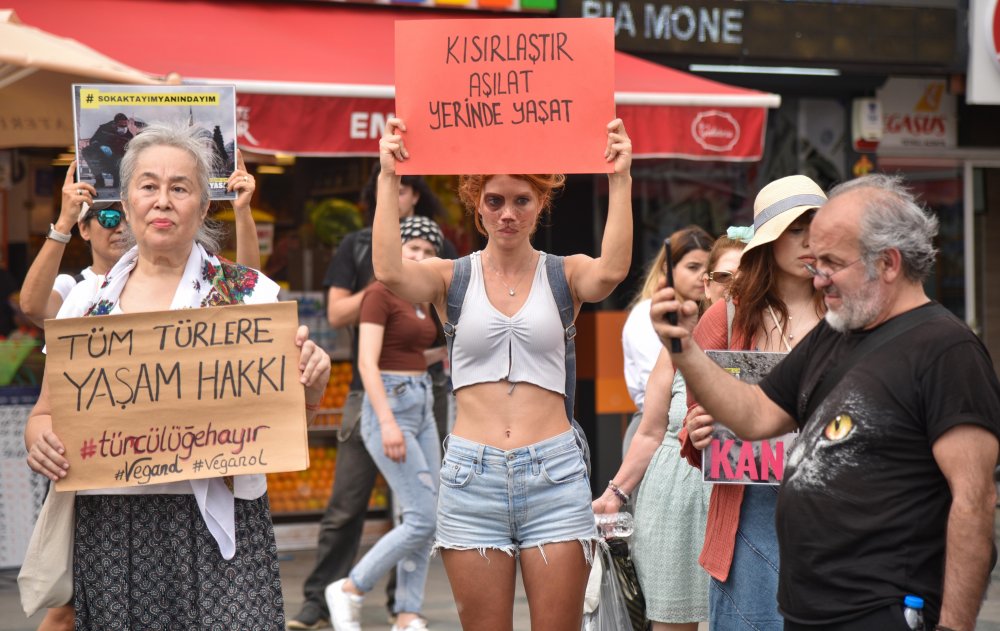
x=528, y=347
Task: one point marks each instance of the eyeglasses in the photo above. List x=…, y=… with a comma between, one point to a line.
x=723, y=278
x=109, y=218
x=827, y=276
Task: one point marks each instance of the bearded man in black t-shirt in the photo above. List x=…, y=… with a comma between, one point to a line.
x=888, y=490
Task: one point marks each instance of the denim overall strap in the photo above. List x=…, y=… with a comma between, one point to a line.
x=461, y=272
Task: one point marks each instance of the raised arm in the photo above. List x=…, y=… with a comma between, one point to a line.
x=647, y=438
x=593, y=279
x=410, y=280
x=38, y=300
x=247, y=243
x=967, y=455
x=741, y=407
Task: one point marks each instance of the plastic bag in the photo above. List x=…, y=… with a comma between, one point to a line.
x=628, y=582
x=611, y=613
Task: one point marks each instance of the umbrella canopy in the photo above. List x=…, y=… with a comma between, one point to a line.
x=36, y=71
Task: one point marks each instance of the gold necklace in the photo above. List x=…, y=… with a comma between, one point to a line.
x=510, y=290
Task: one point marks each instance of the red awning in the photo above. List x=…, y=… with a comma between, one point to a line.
x=317, y=78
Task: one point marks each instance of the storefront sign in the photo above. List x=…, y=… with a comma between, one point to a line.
x=505, y=96
x=917, y=113
x=983, y=77
x=176, y=395
x=350, y=126
x=781, y=32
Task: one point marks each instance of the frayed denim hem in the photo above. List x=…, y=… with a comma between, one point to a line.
x=587, y=543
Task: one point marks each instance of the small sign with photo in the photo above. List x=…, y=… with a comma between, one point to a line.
x=107, y=117
x=729, y=460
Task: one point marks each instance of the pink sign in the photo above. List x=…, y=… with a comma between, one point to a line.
x=505, y=95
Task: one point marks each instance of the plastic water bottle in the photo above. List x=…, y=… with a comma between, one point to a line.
x=913, y=611
x=611, y=525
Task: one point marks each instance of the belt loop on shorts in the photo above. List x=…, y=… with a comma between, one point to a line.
x=534, y=460
x=444, y=444
x=478, y=464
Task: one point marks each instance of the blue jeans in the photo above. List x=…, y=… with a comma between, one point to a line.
x=748, y=599
x=414, y=485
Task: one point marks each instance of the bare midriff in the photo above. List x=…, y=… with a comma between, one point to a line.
x=495, y=415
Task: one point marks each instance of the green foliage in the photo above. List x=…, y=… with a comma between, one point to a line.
x=332, y=218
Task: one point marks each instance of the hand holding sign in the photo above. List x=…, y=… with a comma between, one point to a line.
x=314, y=365
x=46, y=453
x=390, y=147
x=699, y=424
x=619, y=149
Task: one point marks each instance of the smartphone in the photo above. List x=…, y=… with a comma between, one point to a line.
x=675, y=344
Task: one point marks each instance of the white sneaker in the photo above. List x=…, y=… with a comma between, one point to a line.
x=418, y=624
x=345, y=608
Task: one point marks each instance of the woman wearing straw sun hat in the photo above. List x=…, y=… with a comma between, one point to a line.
x=775, y=307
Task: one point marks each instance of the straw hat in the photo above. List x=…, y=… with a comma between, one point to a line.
x=779, y=204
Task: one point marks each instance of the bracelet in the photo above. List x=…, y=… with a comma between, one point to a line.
x=312, y=407
x=619, y=493
x=941, y=627
x=57, y=236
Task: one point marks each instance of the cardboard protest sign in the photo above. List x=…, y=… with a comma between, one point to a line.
x=729, y=460
x=107, y=117
x=505, y=95
x=176, y=395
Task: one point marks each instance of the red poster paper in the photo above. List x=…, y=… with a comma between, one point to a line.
x=505, y=95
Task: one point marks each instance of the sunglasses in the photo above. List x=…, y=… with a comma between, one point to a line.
x=723, y=278
x=109, y=218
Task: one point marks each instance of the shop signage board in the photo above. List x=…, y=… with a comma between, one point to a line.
x=351, y=126
x=781, y=32
x=729, y=460
x=505, y=96
x=107, y=117
x=176, y=395
x=983, y=77
x=917, y=113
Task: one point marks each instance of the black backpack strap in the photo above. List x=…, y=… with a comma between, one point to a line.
x=884, y=334
x=556, y=273
x=362, y=256
x=461, y=272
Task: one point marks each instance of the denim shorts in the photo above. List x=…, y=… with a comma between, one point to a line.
x=509, y=500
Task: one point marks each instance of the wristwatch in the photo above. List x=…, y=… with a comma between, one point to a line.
x=55, y=235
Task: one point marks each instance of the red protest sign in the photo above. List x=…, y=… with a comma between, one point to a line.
x=505, y=95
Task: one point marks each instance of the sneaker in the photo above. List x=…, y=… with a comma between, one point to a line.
x=418, y=624
x=311, y=616
x=345, y=609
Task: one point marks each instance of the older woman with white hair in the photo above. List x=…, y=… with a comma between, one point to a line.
x=193, y=554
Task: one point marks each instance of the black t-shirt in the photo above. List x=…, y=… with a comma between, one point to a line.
x=863, y=506
x=352, y=269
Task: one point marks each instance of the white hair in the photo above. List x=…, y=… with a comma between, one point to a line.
x=892, y=218
x=186, y=138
